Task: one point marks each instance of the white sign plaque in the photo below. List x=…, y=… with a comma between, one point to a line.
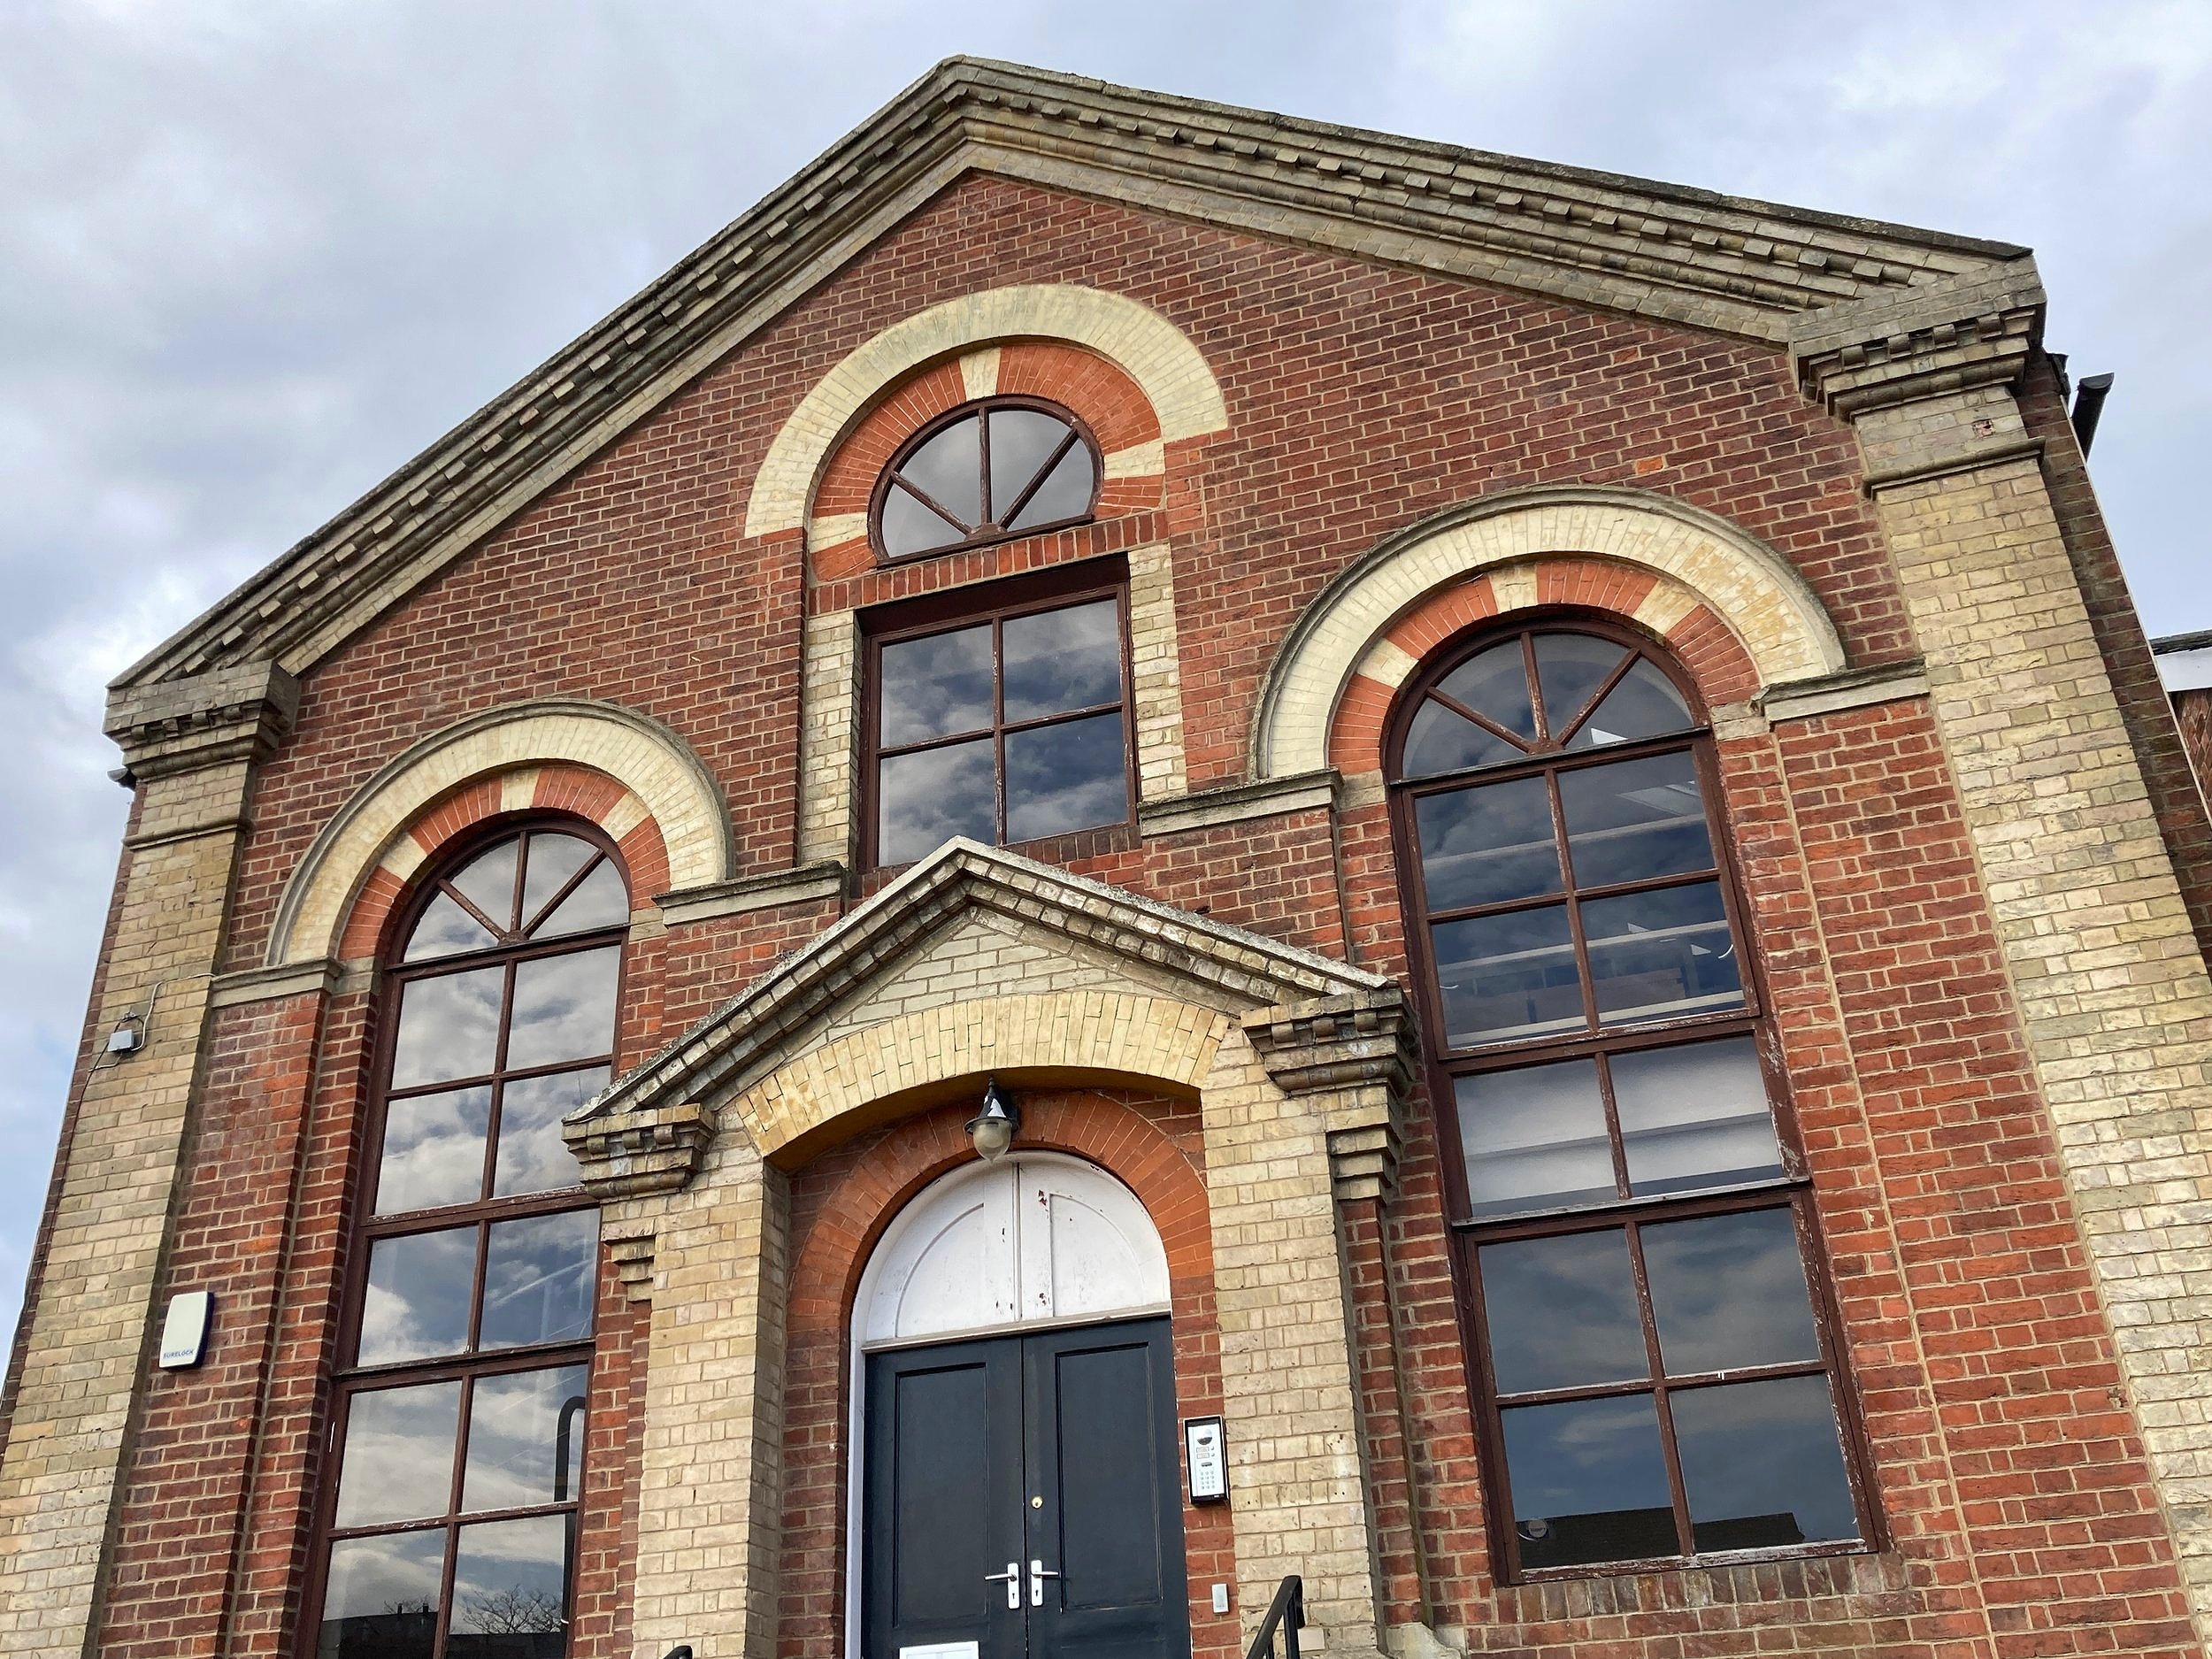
x=941, y=1650
x=1209, y=1459
x=184, y=1332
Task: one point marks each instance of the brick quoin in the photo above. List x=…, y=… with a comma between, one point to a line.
x=2010, y=1474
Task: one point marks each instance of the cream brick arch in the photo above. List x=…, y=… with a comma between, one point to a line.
x=664, y=780
x=1093, y=1034
x=1778, y=620
x=1154, y=353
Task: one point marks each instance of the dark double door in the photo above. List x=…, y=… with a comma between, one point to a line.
x=1050, y=1457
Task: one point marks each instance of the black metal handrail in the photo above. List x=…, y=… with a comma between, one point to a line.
x=1288, y=1614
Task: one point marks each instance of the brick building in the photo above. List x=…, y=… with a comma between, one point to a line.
x=1525, y=806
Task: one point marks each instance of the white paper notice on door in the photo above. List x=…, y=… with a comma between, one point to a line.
x=941, y=1650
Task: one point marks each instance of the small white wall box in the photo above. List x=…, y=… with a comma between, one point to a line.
x=184, y=1332
x=1208, y=1458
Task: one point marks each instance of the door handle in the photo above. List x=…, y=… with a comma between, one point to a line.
x=1012, y=1579
x=1037, y=1573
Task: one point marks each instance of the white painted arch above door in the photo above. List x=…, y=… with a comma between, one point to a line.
x=1038, y=1238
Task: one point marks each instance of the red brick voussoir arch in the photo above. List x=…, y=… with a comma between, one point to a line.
x=843, y=1203
x=583, y=791
x=1705, y=645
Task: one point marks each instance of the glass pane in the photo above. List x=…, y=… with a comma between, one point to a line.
x=909, y=527
x=533, y=1157
x=1066, y=777
x=1507, y=976
x=417, y=1302
x=949, y=469
x=1589, y=1482
x=1066, y=494
x=1763, y=1465
x=433, y=1150
x=538, y=1279
x=602, y=899
x=1695, y=1116
x=488, y=881
x=552, y=860
x=1488, y=844
x=926, y=798
x=526, y=1439
x=1021, y=440
x=1643, y=704
x=1440, y=740
x=1059, y=660
x=446, y=930
x=448, y=1027
x=1570, y=668
x=398, y=1462
x=1535, y=1139
x=1494, y=684
x=1662, y=955
x=564, y=1007
x=1561, y=1312
x=510, y=1590
x=1635, y=820
x=381, y=1600
x=936, y=686
x=1729, y=1291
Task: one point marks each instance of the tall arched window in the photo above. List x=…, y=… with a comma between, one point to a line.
x=1655, y=1362
x=451, y=1523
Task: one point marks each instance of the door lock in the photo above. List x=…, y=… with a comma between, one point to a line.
x=1012, y=1579
x=1037, y=1573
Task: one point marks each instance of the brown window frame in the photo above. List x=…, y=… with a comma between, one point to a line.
x=1056, y=588
x=1445, y=1064
x=986, y=535
x=349, y=1380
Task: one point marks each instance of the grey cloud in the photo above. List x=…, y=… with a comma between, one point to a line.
x=255, y=257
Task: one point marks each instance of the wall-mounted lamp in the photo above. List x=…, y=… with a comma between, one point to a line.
x=993, y=1129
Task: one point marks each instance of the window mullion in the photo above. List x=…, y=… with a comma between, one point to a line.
x=1574, y=909
x=1613, y=1122
x=1535, y=692
x=998, y=725
x=1661, y=1407
x=986, y=508
x=445, y=1588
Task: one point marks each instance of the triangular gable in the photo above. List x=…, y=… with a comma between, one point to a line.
x=1691, y=256
x=798, y=1004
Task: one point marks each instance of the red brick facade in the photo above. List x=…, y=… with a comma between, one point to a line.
x=2017, y=1516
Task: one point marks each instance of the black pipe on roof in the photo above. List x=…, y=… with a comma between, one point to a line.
x=2088, y=406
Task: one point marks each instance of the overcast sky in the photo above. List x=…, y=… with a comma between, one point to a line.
x=253, y=257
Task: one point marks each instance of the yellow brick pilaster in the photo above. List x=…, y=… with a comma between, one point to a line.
x=90, y=1333
x=2111, y=988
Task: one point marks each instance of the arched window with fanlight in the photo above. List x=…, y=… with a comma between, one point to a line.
x=986, y=472
x=448, y=1527
x=1649, y=1330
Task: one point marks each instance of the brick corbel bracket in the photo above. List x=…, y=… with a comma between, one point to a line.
x=1354, y=1052
x=224, y=716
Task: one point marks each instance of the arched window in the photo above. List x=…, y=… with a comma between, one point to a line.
x=1003, y=467
x=451, y=1523
x=1653, y=1358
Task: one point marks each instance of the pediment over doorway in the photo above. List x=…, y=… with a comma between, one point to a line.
x=979, y=960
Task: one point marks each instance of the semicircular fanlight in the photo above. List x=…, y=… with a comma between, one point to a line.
x=1539, y=693
x=993, y=470
x=540, y=884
